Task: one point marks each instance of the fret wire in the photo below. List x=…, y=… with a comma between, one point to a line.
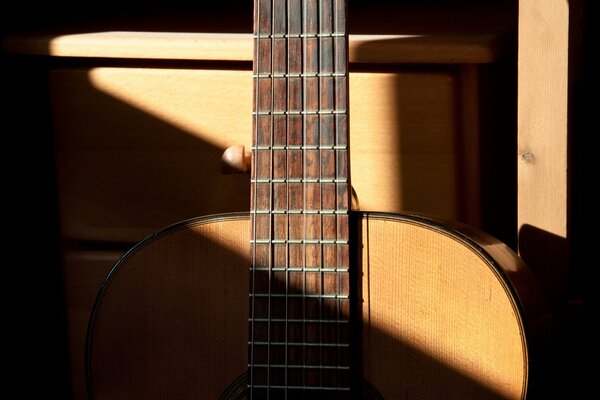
x=298, y=241
x=299, y=35
x=266, y=75
x=301, y=387
x=300, y=147
x=307, y=40
x=307, y=344
x=342, y=367
x=298, y=112
x=303, y=320
x=299, y=180
x=293, y=296
x=327, y=212
x=300, y=269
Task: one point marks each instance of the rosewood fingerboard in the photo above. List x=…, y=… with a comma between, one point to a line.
x=299, y=319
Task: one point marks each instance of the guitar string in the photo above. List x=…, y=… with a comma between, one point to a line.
x=255, y=193
x=271, y=190
x=336, y=130
x=304, y=6
x=287, y=194
x=319, y=116
x=276, y=14
x=305, y=118
x=347, y=187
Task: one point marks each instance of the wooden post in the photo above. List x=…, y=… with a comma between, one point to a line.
x=543, y=81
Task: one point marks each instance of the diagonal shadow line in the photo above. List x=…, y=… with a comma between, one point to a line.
x=173, y=184
x=122, y=174
x=172, y=319
x=110, y=161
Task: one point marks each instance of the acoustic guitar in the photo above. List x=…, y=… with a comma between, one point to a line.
x=303, y=297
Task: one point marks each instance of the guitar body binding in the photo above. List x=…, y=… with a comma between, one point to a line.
x=443, y=313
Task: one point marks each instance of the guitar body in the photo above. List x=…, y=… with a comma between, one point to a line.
x=444, y=315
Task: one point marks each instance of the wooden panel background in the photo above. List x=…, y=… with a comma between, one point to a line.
x=84, y=271
x=472, y=48
x=542, y=118
x=139, y=149
x=542, y=114
x=543, y=128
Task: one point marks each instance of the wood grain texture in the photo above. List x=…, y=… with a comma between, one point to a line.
x=151, y=140
x=173, y=321
x=84, y=272
x=137, y=148
x=470, y=143
x=542, y=115
x=543, y=142
x=465, y=48
x=402, y=142
x=439, y=319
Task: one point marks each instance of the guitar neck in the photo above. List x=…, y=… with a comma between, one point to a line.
x=299, y=285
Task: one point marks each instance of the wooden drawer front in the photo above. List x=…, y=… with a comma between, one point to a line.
x=84, y=272
x=139, y=149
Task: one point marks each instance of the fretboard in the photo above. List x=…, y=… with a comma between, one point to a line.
x=299, y=279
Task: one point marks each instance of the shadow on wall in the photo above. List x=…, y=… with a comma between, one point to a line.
x=547, y=255
x=560, y=359
x=444, y=118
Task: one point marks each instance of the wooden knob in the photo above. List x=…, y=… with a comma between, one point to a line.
x=235, y=160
